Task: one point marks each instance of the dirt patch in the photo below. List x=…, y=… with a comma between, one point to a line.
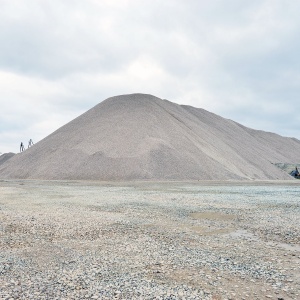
x=214, y=216
x=207, y=231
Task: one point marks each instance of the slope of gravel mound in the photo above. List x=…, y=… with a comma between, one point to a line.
x=142, y=137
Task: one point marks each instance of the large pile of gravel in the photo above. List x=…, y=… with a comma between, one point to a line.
x=143, y=137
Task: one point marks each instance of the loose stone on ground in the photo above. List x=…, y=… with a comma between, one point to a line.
x=86, y=240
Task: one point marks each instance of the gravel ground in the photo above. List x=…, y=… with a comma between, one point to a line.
x=86, y=240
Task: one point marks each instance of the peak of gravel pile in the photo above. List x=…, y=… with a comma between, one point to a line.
x=142, y=137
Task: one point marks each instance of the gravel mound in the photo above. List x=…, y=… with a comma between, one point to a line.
x=6, y=156
x=142, y=137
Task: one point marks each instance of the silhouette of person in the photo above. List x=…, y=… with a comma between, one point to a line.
x=22, y=148
x=30, y=143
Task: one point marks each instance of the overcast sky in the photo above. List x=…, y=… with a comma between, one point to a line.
x=238, y=59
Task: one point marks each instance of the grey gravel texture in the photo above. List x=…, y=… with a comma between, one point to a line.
x=142, y=137
x=201, y=240
x=5, y=157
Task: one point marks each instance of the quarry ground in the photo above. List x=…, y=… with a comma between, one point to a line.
x=200, y=240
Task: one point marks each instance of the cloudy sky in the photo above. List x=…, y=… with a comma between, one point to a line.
x=239, y=59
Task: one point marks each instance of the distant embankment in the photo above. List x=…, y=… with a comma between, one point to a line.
x=6, y=156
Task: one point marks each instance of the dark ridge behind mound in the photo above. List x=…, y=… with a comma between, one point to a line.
x=141, y=137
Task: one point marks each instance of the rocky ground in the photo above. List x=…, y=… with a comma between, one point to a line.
x=86, y=240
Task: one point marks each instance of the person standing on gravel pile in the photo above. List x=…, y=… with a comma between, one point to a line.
x=30, y=143
x=22, y=148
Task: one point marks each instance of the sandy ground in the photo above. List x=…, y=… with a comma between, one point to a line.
x=200, y=240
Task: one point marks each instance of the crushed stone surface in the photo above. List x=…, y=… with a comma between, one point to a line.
x=90, y=240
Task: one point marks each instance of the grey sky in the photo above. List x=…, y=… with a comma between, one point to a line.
x=239, y=59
